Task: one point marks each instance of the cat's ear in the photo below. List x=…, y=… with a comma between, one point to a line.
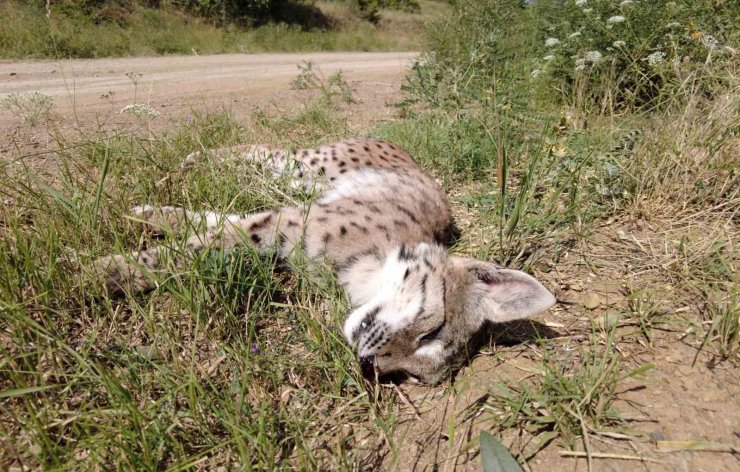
x=498, y=295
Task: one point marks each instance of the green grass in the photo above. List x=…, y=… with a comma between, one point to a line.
x=234, y=362
x=28, y=33
x=229, y=361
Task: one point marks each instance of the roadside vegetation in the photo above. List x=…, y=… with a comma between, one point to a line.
x=594, y=144
x=91, y=28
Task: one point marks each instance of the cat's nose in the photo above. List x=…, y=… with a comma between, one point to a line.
x=367, y=366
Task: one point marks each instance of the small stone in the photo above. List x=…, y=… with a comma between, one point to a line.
x=591, y=300
x=656, y=436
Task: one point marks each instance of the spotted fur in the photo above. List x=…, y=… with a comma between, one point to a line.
x=384, y=226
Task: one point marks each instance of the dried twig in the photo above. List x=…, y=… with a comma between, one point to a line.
x=705, y=446
x=604, y=455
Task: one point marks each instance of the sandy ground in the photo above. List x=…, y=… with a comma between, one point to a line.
x=91, y=93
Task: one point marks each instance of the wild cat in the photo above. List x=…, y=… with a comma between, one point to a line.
x=384, y=226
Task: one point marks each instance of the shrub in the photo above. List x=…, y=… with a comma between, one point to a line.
x=598, y=54
x=628, y=54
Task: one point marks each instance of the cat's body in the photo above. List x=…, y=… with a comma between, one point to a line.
x=384, y=226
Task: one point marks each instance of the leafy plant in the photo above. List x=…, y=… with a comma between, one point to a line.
x=494, y=456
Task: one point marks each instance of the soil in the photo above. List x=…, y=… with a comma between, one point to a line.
x=682, y=398
x=90, y=93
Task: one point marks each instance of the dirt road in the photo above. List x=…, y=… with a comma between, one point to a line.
x=93, y=91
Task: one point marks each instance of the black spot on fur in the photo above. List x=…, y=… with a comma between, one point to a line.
x=343, y=171
x=292, y=223
x=385, y=231
x=322, y=170
x=407, y=273
x=342, y=164
x=355, y=159
x=368, y=320
x=366, y=148
x=282, y=239
x=353, y=259
x=326, y=238
x=361, y=228
x=400, y=224
x=343, y=230
x=314, y=161
x=444, y=297
x=257, y=225
x=404, y=254
x=256, y=239
x=449, y=236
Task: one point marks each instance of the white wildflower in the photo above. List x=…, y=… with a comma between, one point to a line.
x=580, y=3
x=574, y=35
x=580, y=67
x=593, y=57
x=710, y=42
x=619, y=44
x=656, y=58
x=580, y=62
x=625, y=3
x=140, y=110
x=551, y=42
x=548, y=58
x=673, y=24
x=613, y=20
x=588, y=10
x=535, y=73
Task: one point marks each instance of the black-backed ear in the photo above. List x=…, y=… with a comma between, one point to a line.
x=500, y=295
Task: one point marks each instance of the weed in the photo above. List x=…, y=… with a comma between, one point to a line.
x=644, y=312
x=306, y=78
x=572, y=396
x=723, y=313
x=334, y=87
x=30, y=107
